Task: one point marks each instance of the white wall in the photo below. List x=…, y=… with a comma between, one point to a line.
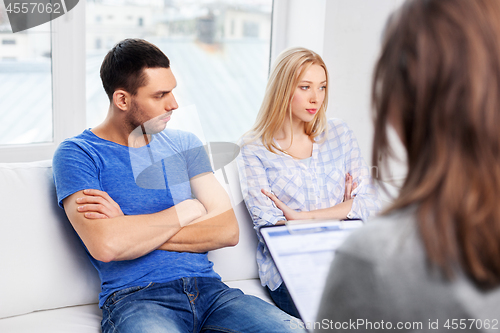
x=353, y=32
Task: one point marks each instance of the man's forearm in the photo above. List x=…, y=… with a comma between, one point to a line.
x=167, y=223
x=128, y=237
x=212, y=233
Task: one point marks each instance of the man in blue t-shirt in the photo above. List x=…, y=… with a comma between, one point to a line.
x=127, y=187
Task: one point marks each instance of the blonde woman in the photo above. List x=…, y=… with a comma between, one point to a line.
x=295, y=164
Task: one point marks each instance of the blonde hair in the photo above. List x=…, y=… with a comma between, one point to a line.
x=288, y=69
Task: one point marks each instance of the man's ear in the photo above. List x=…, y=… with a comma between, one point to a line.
x=122, y=99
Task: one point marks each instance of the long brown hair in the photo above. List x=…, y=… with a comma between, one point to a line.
x=288, y=69
x=438, y=82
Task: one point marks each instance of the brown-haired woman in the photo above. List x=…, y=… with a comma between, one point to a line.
x=434, y=256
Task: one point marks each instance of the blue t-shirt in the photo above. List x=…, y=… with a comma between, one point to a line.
x=141, y=180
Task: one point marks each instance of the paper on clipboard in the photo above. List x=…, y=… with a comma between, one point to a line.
x=303, y=252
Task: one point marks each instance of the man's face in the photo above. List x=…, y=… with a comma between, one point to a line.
x=154, y=103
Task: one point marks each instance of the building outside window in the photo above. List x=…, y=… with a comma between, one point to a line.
x=219, y=53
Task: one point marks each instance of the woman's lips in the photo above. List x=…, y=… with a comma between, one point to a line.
x=312, y=111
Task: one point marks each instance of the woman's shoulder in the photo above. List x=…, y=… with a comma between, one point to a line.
x=250, y=143
x=336, y=129
x=249, y=137
x=337, y=125
x=334, y=122
x=385, y=237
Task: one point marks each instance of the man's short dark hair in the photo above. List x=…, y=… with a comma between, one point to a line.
x=123, y=67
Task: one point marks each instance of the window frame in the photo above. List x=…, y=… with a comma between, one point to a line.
x=68, y=88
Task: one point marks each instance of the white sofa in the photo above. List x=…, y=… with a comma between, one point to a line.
x=47, y=283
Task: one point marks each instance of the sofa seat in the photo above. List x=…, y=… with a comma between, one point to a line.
x=87, y=318
x=72, y=319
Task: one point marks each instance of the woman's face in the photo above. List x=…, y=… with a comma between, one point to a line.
x=309, y=94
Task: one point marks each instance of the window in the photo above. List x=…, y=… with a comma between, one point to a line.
x=250, y=29
x=25, y=84
x=219, y=69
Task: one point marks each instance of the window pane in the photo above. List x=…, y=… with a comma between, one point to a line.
x=25, y=84
x=219, y=53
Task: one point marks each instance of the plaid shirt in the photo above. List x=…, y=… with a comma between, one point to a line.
x=302, y=187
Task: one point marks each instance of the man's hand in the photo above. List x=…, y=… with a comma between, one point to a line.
x=109, y=235
x=98, y=205
x=198, y=207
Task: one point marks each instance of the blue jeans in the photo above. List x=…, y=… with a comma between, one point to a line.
x=283, y=300
x=192, y=305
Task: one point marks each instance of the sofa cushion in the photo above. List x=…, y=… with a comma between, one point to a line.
x=74, y=319
x=238, y=262
x=87, y=318
x=44, y=266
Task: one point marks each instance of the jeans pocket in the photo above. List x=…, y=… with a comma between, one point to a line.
x=119, y=295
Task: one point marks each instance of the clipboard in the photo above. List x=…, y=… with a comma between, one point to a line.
x=303, y=252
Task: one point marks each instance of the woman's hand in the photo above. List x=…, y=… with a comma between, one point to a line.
x=289, y=213
x=98, y=205
x=349, y=187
